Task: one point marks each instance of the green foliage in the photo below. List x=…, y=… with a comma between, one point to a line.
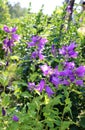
x=4, y=12
x=65, y=110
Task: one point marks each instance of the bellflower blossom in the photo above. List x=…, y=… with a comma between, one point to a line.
x=49, y=91
x=15, y=118
x=39, y=43
x=69, y=51
x=79, y=82
x=31, y=86
x=80, y=71
x=41, y=85
x=47, y=70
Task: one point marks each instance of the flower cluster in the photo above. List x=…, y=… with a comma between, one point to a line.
x=39, y=43
x=69, y=74
x=40, y=87
x=8, y=42
x=69, y=51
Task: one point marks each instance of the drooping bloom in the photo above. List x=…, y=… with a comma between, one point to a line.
x=49, y=91
x=15, y=118
x=41, y=85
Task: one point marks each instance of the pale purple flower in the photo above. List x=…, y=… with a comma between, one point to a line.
x=69, y=10
x=49, y=91
x=15, y=118
x=63, y=50
x=6, y=29
x=69, y=65
x=41, y=85
x=15, y=37
x=47, y=70
x=31, y=86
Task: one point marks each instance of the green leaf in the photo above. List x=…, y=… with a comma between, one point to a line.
x=65, y=125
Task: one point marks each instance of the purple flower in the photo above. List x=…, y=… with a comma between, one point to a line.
x=80, y=71
x=41, y=43
x=79, y=82
x=69, y=10
x=69, y=51
x=46, y=69
x=73, y=54
x=71, y=47
x=53, y=50
x=31, y=86
x=69, y=65
x=49, y=91
x=35, y=38
x=6, y=29
x=55, y=80
x=13, y=30
x=63, y=50
x=65, y=82
x=56, y=72
x=65, y=72
x=15, y=118
x=41, y=56
x=34, y=54
x=3, y=111
x=7, y=45
x=41, y=85
x=31, y=44
x=15, y=37
x=9, y=30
